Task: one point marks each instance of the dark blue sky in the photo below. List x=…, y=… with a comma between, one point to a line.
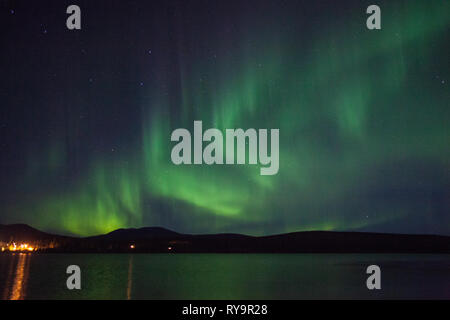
x=86, y=115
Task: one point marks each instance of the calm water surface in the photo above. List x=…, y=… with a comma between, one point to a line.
x=224, y=276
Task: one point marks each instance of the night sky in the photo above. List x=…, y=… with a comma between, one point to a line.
x=86, y=115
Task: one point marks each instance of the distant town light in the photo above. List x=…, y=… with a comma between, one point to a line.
x=18, y=247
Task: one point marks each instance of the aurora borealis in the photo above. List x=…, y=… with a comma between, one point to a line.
x=86, y=115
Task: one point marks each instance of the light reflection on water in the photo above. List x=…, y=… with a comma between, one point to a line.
x=130, y=277
x=17, y=277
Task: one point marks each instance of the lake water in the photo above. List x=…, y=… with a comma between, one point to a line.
x=224, y=276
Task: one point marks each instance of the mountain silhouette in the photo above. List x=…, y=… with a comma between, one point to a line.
x=158, y=239
x=23, y=232
x=137, y=234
